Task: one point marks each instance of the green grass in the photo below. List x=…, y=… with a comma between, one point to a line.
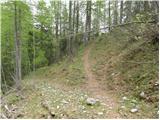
x=53, y=84
x=111, y=59
x=116, y=56
x=66, y=71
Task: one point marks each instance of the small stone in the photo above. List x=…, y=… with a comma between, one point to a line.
x=65, y=102
x=57, y=107
x=100, y=113
x=142, y=95
x=52, y=113
x=91, y=101
x=123, y=107
x=133, y=110
x=113, y=74
x=124, y=98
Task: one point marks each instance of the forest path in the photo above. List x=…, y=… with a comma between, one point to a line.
x=96, y=90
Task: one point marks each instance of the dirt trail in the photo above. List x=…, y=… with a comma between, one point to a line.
x=96, y=90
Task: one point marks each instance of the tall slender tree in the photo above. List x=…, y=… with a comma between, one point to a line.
x=77, y=17
x=70, y=30
x=109, y=15
x=115, y=20
x=121, y=12
x=17, y=26
x=88, y=22
x=128, y=9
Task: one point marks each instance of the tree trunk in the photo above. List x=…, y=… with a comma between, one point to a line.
x=115, y=13
x=129, y=14
x=109, y=15
x=70, y=29
x=74, y=20
x=88, y=22
x=56, y=5
x=77, y=18
x=121, y=12
x=146, y=6
x=86, y=26
x=17, y=47
x=60, y=18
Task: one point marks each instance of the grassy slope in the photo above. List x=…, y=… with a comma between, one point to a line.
x=56, y=86
x=110, y=62
x=120, y=61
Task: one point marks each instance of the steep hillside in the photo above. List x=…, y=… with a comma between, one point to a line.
x=117, y=71
x=126, y=61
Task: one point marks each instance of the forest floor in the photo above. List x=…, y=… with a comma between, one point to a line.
x=96, y=75
x=43, y=97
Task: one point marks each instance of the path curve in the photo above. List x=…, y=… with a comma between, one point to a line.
x=96, y=90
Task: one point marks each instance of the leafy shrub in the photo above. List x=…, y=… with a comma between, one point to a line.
x=41, y=60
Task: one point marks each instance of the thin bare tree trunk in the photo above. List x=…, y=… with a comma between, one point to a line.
x=74, y=21
x=70, y=29
x=121, y=12
x=56, y=17
x=77, y=18
x=109, y=15
x=88, y=22
x=60, y=17
x=86, y=26
x=129, y=14
x=17, y=47
x=115, y=13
